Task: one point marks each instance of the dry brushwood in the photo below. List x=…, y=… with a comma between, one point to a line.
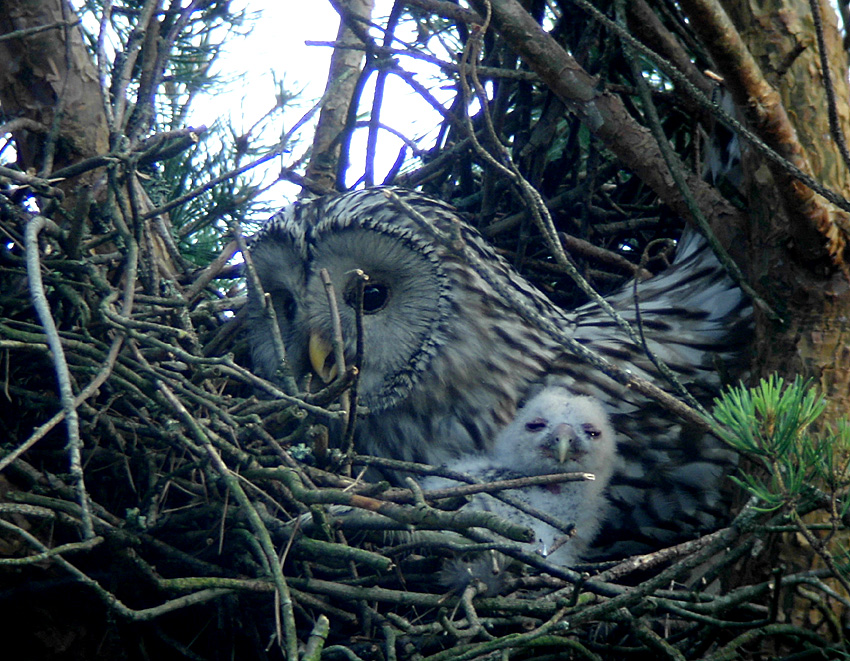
x=173, y=497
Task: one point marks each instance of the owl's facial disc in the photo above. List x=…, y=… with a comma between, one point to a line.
x=400, y=305
x=280, y=266
x=370, y=298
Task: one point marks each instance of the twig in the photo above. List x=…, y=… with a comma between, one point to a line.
x=731, y=650
x=255, y=287
x=63, y=374
x=511, y=641
x=144, y=615
x=543, y=219
x=817, y=226
x=290, y=641
x=819, y=548
x=316, y=641
x=276, y=151
x=214, y=268
x=40, y=185
x=102, y=60
x=224, y=363
x=674, y=166
x=377, y=100
x=423, y=516
x=337, y=342
x=88, y=545
x=28, y=32
x=495, y=486
x=348, y=437
x=663, y=649
x=475, y=626
x=499, y=492
x=48, y=148
x=85, y=393
x=832, y=106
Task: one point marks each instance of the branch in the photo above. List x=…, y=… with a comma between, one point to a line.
x=342, y=81
x=606, y=116
x=815, y=225
x=63, y=374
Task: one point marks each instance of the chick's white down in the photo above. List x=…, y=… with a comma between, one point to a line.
x=555, y=432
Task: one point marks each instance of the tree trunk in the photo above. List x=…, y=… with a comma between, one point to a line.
x=47, y=76
x=793, y=266
x=813, y=295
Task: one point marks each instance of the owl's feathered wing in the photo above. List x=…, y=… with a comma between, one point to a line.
x=454, y=343
x=669, y=476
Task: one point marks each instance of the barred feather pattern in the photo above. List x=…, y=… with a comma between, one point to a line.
x=453, y=344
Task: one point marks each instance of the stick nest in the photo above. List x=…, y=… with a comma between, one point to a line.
x=177, y=515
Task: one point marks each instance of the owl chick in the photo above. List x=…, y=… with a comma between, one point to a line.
x=555, y=432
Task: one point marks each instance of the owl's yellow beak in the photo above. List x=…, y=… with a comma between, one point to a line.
x=320, y=349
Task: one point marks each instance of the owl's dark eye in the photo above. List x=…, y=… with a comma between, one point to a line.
x=284, y=304
x=537, y=424
x=375, y=297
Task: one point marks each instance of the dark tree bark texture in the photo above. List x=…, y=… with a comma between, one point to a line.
x=47, y=76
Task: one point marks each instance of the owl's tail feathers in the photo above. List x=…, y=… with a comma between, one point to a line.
x=690, y=243
x=721, y=168
x=705, y=286
x=695, y=289
x=723, y=150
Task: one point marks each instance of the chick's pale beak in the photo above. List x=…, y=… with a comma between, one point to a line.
x=320, y=350
x=565, y=436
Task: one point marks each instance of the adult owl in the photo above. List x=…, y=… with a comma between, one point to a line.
x=453, y=344
x=555, y=432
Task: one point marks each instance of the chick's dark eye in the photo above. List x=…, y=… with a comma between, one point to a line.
x=375, y=297
x=537, y=424
x=592, y=431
